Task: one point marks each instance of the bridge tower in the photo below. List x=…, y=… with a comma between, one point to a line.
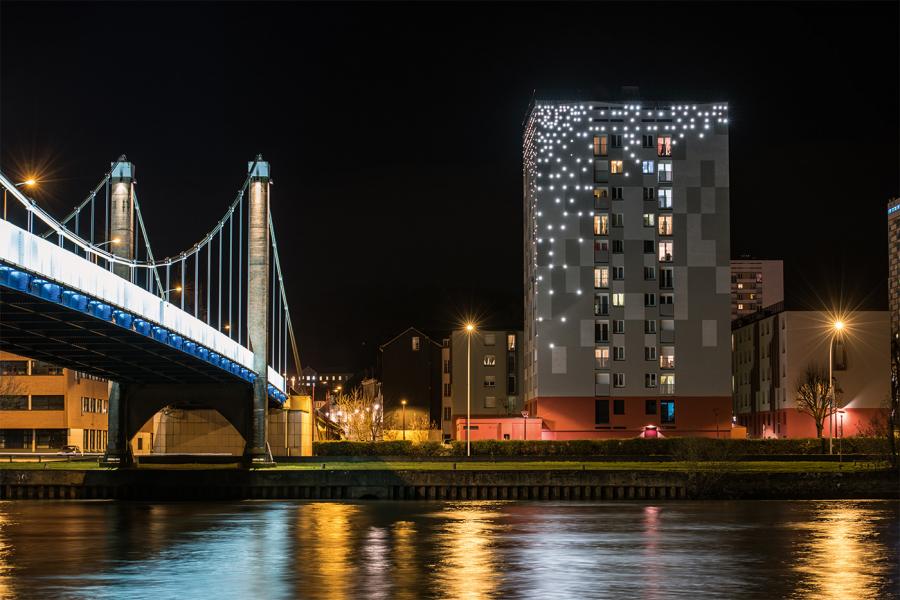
x=121, y=228
x=121, y=214
x=257, y=304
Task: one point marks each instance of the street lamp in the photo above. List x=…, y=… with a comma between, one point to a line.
x=836, y=328
x=177, y=288
x=403, y=403
x=841, y=436
x=470, y=328
x=30, y=182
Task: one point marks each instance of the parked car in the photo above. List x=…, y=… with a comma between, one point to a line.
x=70, y=451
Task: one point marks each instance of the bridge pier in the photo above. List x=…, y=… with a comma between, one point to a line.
x=257, y=306
x=118, y=450
x=121, y=214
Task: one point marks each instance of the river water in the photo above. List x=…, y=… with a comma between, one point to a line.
x=477, y=549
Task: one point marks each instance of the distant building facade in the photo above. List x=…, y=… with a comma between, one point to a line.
x=496, y=377
x=772, y=349
x=44, y=407
x=411, y=371
x=627, y=272
x=755, y=284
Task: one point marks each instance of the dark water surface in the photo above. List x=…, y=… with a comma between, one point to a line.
x=477, y=549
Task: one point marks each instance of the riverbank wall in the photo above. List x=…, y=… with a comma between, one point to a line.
x=536, y=485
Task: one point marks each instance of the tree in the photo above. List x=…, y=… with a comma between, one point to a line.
x=417, y=426
x=360, y=416
x=11, y=385
x=814, y=396
x=894, y=410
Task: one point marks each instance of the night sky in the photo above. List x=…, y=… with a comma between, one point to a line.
x=394, y=134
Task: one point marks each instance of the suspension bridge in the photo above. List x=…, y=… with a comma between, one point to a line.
x=87, y=293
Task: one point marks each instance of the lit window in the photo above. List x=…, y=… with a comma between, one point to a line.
x=664, y=145
x=510, y=342
x=416, y=343
x=667, y=383
x=665, y=224
x=601, y=277
x=665, y=171
x=601, y=357
x=740, y=307
x=490, y=360
x=666, y=412
x=667, y=357
x=600, y=145
x=649, y=219
x=601, y=224
x=618, y=299
x=601, y=193
x=740, y=286
x=665, y=197
x=647, y=166
x=615, y=166
x=665, y=251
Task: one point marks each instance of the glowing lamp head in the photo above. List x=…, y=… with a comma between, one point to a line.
x=838, y=325
x=403, y=402
x=177, y=288
x=470, y=327
x=30, y=181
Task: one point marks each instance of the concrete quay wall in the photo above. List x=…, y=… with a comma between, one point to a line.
x=146, y=484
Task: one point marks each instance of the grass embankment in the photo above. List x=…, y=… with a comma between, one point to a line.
x=375, y=465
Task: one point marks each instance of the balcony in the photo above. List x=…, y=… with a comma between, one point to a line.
x=601, y=363
x=667, y=389
x=664, y=176
x=601, y=389
x=667, y=310
x=601, y=256
x=667, y=336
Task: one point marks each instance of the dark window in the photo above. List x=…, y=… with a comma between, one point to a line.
x=617, y=193
x=601, y=412
x=601, y=331
x=618, y=247
x=650, y=407
x=667, y=411
x=649, y=273
x=648, y=194
x=39, y=367
x=48, y=402
x=647, y=141
x=616, y=140
x=13, y=367
x=649, y=247
x=15, y=439
x=50, y=438
x=16, y=402
x=447, y=410
x=511, y=385
x=618, y=407
x=840, y=355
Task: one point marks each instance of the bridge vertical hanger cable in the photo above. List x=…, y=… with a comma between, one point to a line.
x=196, y=280
x=287, y=310
x=147, y=247
x=219, y=278
x=240, y=264
x=106, y=222
x=230, y=263
x=182, y=293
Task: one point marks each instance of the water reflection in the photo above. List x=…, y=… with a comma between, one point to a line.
x=839, y=555
x=383, y=550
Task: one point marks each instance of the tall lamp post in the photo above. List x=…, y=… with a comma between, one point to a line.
x=403, y=404
x=837, y=327
x=28, y=182
x=470, y=328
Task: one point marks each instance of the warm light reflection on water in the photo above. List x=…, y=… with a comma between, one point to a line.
x=838, y=554
x=466, y=550
x=468, y=567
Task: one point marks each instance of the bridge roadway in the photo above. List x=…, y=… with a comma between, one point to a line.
x=62, y=308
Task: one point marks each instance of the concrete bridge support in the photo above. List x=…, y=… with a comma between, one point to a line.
x=258, y=303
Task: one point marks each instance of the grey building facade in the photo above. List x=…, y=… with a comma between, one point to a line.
x=627, y=275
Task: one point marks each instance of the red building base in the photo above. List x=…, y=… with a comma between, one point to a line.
x=791, y=423
x=499, y=428
x=575, y=418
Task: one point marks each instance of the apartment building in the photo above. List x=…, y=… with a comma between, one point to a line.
x=627, y=268
x=755, y=284
x=774, y=347
x=492, y=366
x=893, y=214
x=411, y=378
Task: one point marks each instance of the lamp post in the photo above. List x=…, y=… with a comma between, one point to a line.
x=177, y=288
x=837, y=327
x=841, y=436
x=403, y=404
x=524, y=425
x=470, y=328
x=29, y=182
